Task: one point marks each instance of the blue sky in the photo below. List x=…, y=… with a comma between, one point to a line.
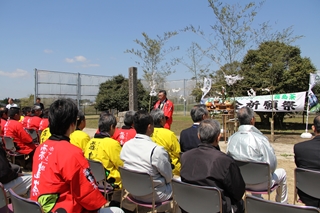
x=90, y=37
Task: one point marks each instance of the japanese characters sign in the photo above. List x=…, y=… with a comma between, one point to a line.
x=290, y=102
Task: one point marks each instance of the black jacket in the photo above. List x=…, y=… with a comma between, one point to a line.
x=207, y=166
x=307, y=156
x=189, y=138
x=7, y=174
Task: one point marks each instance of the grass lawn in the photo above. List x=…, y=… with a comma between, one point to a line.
x=292, y=125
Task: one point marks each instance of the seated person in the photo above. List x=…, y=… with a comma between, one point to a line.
x=206, y=165
x=4, y=118
x=189, y=137
x=26, y=111
x=13, y=128
x=61, y=174
x=142, y=154
x=105, y=149
x=11, y=176
x=79, y=138
x=34, y=120
x=306, y=156
x=166, y=138
x=249, y=144
x=44, y=123
x=127, y=131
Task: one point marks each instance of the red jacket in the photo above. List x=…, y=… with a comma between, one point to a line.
x=34, y=122
x=23, y=140
x=24, y=121
x=167, y=110
x=44, y=123
x=3, y=122
x=124, y=134
x=62, y=176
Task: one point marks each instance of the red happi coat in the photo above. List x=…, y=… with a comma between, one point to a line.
x=167, y=110
x=23, y=140
x=62, y=176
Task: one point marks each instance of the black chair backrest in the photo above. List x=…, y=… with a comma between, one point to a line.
x=195, y=199
x=23, y=205
x=308, y=181
x=3, y=199
x=254, y=172
x=254, y=205
x=9, y=144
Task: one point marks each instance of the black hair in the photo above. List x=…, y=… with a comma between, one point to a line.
x=128, y=118
x=62, y=113
x=163, y=91
x=142, y=119
x=80, y=118
x=13, y=111
x=25, y=110
x=3, y=110
x=45, y=113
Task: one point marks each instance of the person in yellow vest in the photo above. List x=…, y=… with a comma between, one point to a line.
x=79, y=138
x=167, y=139
x=102, y=147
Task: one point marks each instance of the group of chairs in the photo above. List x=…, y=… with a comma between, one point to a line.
x=18, y=204
x=194, y=199
x=191, y=198
x=8, y=144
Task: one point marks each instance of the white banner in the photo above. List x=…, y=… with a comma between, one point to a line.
x=206, y=87
x=290, y=102
x=314, y=78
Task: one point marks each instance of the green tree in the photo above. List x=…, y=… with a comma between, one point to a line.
x=27, y=101
x=279, y=68
x=114, y=94
x=153, y=58
x=233, y=33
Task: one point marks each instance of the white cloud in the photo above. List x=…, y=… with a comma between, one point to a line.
x=91, y=65
x=18, y=73
x=80, y=58
x=69, y=60
x=47, y=51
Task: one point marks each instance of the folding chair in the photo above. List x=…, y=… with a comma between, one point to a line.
x=4, y=206
x=139, y=184
x=99, y=174
x=34, y=135
x=307, y=181
x=10, y=148
x=207, y=199
x=254, y=205
x=22, y=205
x=255, y=173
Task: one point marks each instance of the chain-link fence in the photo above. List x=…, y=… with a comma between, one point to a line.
x=84, y=88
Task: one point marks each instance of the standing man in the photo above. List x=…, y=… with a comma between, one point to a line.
x=206, y=165
x=249, y=144
x=306, y=155
x=38, y=101
x=166, y=106
x=11, y=104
